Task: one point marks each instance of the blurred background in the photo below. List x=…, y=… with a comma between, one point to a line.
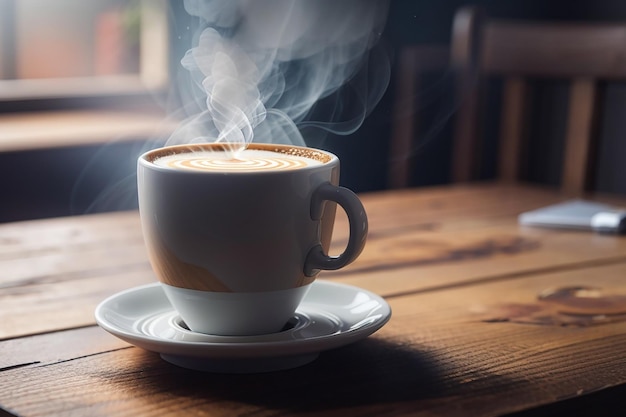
x=85, y=87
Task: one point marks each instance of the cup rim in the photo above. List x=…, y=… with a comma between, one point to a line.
x=148, y=157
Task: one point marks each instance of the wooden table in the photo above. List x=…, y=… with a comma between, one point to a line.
x=472, y=333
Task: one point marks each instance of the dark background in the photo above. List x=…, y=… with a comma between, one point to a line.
x=87, y=179
x=428, y=22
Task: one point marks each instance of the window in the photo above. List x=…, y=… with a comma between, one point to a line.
x=70, y=48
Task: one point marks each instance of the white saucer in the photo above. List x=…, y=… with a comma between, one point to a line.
x=331, y=315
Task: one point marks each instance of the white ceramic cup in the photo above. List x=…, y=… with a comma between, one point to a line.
x=237, y=251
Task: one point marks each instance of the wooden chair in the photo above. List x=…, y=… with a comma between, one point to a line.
x=518, y=51
x=584, y=54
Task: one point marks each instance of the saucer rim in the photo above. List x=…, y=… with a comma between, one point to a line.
x=231, y=349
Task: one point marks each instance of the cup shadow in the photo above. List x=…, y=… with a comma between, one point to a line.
x=372, y=371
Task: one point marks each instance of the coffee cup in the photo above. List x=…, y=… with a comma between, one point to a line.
x=236, y=238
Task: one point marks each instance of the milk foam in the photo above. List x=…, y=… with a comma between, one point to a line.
x=247, y=160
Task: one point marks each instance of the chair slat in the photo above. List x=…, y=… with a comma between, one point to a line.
x=512, y=128
x=554, y=50
x=577, y=157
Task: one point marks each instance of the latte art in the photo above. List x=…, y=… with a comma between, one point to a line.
x=248, y=160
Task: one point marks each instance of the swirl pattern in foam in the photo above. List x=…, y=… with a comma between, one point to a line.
x=247, y=160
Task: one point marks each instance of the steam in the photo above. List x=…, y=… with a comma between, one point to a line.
x=260, y=66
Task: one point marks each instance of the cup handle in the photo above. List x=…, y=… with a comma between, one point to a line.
x=316, y=259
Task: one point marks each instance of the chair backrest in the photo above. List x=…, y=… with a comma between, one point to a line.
x=584, y=54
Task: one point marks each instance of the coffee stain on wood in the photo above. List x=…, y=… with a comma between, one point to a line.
x=579, y=306
x=505, y=245
x=491, y=247
x=584, y=300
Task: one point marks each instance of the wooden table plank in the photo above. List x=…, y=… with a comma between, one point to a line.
x=49, y=307
x=435, y=207
x=55, y=271
x=455, y=352
x=419, y=262
x=57, y=347
x=39, y=237
x=532, y=351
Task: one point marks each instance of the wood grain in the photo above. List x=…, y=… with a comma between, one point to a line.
x=442, y=354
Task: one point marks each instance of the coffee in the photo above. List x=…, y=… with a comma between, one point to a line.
x=243, y=161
